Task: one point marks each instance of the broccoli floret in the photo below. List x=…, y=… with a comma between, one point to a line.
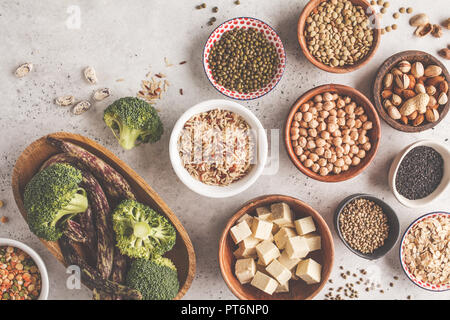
x=140, y=231
x=52, y=197
x=133, y=121
x=156, y=279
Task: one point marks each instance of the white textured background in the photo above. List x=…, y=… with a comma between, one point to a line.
x=122, y=39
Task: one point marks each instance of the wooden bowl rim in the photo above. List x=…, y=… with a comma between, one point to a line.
x=310, y=6
x=352, y=92
x=276, y=198
x=387, y=65
x=114, y=161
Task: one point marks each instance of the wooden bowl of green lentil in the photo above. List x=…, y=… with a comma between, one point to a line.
x=343, y=52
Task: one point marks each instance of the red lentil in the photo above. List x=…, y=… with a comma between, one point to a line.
x=19, y=276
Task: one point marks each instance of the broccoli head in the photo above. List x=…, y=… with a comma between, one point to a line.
x=156, y=279
x=52, y=197
x=140, y=231
x=133, y=121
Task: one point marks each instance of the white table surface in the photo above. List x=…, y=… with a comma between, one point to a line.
x=122, y=39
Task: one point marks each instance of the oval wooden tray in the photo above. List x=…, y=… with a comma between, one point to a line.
x=299, y=290
x=36, y=153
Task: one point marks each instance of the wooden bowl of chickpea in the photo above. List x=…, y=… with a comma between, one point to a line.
x=332, y=133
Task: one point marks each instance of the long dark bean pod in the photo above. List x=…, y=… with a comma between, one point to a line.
x=100, y=169
x=74, y=232
x=91, y=277
x=100, y=207
x=59, y=158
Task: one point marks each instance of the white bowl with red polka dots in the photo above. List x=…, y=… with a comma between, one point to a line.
x=271, y=35
x=422, y=284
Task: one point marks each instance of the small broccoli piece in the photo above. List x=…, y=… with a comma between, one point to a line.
x=156, y=279
x=140, y=231
x=133, y=121
x=52, y=197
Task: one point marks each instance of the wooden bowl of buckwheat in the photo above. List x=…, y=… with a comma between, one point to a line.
x=410, y=91
x=338, y=36
x=332, y=133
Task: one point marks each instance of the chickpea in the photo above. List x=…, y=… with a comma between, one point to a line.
x=322, y=126
x=362, y=139
x=337, y=133
x=362, y=132
x=307, y=116
x=335, y=96
x=354, y=149
x=339, y=149
x=323, y=171
x=313, y=124
x=332, y=119
x=325, y=135
x=322, y=162
x=308, y=163
x=319, y=106
x=298, y=116
x=333, y=158
x=313, y=110
x=329, y=167
x=302, y=142
x=320, y=142
x=311, y=145
x=347, y=160
x=350, y=116
x=339, y=162
x=304, y=107
x=350, y=123
x=361, y=153
x=350, y=108
x=319, y=151
x=303, y=132
x=347, y=99
x=298, y=150
x=333, y=112
x=332, y=127
x=327, y=96
x=337, y=170
x=318, y=98
x=312, y=133
x=295, y=124
x=363, y=117
x=346, y=149
x=337, y=141
x=294, y=143
x=295, y=130
x=315, y=167
x=345, y=167
x=327, y=106
x=307, y=153
x=340, y=103
x=358, y=123
x=367, y=125
x=356, y=161
x=366, y=146
x=303, y=157
x=341, y=121
x=314, y=157
x=341, y=113
x=324, y=114
x=327, y=154
x=354, y=135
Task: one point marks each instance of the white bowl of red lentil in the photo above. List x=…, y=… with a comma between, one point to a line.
x=36, y=259
x=200, y=182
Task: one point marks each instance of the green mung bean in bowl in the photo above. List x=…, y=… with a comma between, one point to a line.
x=244, y=58
x=338, y=36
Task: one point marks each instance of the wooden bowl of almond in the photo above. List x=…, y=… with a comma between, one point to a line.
x=410, y=91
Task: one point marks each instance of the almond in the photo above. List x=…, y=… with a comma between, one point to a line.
x=433, y=81
x=398, y=91
x=404, y=119
x=443, y=86
x=432, y=101
x=396, y=100
x=385, y=94
x=412, y=81
x=418, y=121
x=432, y=115
x=431, y=90
x=413, y=115
x=408, y=94
x=394, y=113
x=432, y=71
x=388, y=79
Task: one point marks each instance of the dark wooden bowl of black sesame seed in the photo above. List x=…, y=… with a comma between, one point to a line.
x=356, y=212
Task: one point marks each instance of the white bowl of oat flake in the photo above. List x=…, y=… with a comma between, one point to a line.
x=425, y=250
x=218, y=148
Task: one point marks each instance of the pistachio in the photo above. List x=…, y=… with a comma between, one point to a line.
x=424, y=30
x=420, y=88
x=444, y=53
x=404, y=66
x=407, y=94
x=443, y=99
x=419, y=20
x=388, y=79
x=430, y=90
x=65, y=101
x=23, y=70
x=432, y=102
x=396, y=100
x=446, y=23
x=402, y=81
x=396, y=72
x=417, y=69
x=432, y=115
x=81, y=107
x=387, y=104
x=394, y=113
x=432, y=71
x=436, y=31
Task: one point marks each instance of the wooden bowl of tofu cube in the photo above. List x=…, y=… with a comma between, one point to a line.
x=276, y=247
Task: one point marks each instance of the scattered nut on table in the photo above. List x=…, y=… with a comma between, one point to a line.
x=90, y=75
x=23, y=70
x=65, y=101
x=81, y=107
x=101, y=94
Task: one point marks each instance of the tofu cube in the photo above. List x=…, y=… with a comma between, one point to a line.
x=264, y=282
x=314, y=241
x=288, y=262
x=278, y=271
x=263, y=213
x=296, y=247
x=275, y=228
x=247, y=248
x=281, y=213
x=305, y=225
x=245, y=270
x=261, y=229
x=281, y=236
x=309, y=271
x=240, y=231
x=267, y=252
x=282, y=287
x=247, y=218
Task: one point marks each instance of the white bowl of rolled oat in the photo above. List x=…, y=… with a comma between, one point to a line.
x=218, y=148
x=425, y=251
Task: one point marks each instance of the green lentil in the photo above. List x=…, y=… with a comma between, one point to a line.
x=243, y=60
